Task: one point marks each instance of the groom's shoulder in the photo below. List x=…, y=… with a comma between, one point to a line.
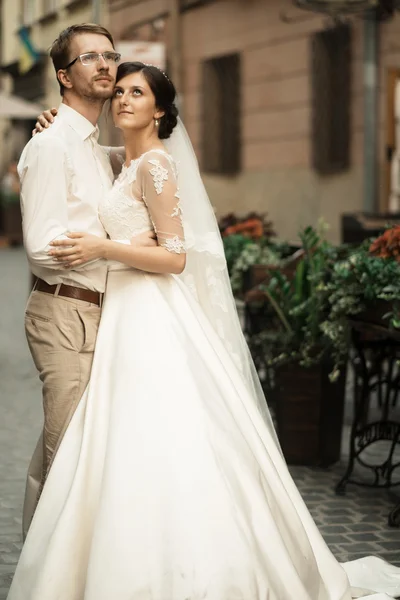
x=47, y=146
x=49, y=140
x=53, y=136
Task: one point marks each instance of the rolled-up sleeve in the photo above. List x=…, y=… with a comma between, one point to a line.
x=45, y=180
x=44, y=190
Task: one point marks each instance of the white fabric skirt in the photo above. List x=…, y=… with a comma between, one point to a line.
x=167, y=485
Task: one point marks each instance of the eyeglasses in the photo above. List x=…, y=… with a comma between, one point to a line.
x=91, y=58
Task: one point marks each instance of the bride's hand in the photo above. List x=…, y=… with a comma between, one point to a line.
x=80, y=248
x=147, y=239
x=44, y=120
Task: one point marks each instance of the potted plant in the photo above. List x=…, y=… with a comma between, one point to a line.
x=293, y=302
x=364, y=287
x=250, y=251
x=252, y=230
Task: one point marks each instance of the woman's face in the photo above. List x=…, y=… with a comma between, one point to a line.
x=133, y=104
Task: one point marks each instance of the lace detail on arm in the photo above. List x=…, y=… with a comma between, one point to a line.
x=177, y=212
x=158, y=180
x=160, y=174
x=175, y=245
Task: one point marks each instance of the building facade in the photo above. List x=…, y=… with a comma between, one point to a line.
x=42, y=21
x=274, y=103
x=272, y=96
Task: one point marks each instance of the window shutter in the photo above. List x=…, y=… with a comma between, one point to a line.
x=221, y=134
x=331, y=99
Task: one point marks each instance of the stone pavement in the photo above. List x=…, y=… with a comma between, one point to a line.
x=353, y=525
x=20, y=408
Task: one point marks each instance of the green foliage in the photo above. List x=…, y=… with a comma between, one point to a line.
x=256, y=253
x=357, y=284
x=305, y=315
x=234, y=246
x=8, y=197
x=243, y=252
x=299, y=304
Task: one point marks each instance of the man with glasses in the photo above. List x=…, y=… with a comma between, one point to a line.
x=64, y=173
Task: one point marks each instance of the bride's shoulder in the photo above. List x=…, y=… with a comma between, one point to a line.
x=153, y=163
x=157, y=155
x=156, y=160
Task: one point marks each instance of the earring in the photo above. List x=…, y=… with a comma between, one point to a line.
x=157, y=122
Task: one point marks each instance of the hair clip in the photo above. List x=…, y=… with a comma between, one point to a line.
x=156, y=67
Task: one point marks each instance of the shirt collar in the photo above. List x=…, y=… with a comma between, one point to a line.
x=78, y=122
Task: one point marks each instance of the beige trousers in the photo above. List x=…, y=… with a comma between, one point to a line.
x=61, y=334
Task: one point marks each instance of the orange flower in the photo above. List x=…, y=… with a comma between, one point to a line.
x=387, y=245
x=252, y=228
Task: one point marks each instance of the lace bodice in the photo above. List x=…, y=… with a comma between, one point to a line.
x=145, y=197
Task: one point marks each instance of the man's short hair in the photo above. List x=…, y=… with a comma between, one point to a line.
x=60, y=48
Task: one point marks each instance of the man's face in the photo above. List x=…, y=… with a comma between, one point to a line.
x=94, y=81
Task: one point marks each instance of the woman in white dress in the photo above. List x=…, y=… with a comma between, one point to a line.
x=169, y=483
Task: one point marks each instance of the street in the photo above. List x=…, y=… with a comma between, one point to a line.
x=20, y=408
x=353, y=525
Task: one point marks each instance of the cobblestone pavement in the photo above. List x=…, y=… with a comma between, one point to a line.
x=20, y=408
x=353, y=525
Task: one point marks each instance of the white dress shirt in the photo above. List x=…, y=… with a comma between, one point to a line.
x=64, y=174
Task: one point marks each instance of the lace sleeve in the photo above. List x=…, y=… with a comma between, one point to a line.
x=158, y=182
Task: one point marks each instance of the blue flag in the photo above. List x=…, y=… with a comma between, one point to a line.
x=29, y=55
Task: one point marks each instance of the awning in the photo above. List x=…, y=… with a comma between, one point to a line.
x=13, y=107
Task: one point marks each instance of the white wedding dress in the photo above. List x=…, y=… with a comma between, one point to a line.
x=163, y=487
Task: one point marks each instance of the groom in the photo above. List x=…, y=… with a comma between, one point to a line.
x=64, y=173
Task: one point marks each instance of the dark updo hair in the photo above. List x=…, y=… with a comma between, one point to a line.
x=163, y=90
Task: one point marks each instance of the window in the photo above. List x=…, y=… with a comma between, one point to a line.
x=28, y=14
x=331, y=99
x=221, y=135
x=188, y=4
x=49, y=6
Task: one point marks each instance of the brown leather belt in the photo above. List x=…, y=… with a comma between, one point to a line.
x=69, y=291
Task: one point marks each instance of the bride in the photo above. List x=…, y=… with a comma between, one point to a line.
x=169, y=483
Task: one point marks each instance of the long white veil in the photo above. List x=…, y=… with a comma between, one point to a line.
x=206, y=272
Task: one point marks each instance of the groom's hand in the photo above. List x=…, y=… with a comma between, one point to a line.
x=44, y=120
x=147, y=239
